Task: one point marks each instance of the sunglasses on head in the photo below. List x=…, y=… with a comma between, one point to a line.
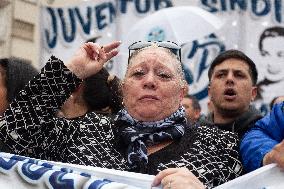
x=173, y=47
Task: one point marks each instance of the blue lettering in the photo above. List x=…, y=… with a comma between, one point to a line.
x=158, y=4
x=209, y=6
x=71, y=37
x=85, y=175
x=241, y=3
x=138, y=6
x=193, y=49
x=100, y=17
x=112, y=12
x=51, y=42
x=258, y=7
x=57, y=182
x=28, y=170
x=123, y=5
x=278, y=7
x=203, y=63
x=86, y=25
x=98, y=184
x=265, y=9
x=7, y=165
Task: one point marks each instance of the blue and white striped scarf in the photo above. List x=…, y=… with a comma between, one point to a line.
x=138, y=135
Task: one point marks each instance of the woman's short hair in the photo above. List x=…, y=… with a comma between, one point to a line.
x=180, y=71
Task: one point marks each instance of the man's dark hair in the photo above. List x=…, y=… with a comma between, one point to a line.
x=269, y=32
x=99, y=93
x=235, y=54
x=195, y=102
x=18, y=73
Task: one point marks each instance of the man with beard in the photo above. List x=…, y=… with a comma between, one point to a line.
x=232, y=86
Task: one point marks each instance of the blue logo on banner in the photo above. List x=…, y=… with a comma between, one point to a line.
x=156, y=34
x=196, y=59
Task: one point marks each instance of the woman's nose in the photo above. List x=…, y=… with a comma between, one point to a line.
x=150, y=82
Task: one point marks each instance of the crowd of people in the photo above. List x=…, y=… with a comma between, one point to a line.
x=76, y=112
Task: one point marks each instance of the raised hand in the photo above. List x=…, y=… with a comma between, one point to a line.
x=177, y=178
x=91, y=57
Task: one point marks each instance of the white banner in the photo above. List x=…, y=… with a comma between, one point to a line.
x=267, y=177
x=26, y=173
x=253, y=26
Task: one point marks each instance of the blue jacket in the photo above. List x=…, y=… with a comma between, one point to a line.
x=266, y=133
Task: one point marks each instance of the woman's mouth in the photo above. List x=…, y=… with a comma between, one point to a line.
x=149, y=97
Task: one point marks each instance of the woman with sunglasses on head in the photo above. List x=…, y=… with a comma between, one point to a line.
x=148, y=136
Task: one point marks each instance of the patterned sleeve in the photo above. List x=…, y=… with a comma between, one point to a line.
x=29, y=125
x=231, y=166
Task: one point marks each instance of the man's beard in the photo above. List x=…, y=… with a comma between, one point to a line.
x=229, y=112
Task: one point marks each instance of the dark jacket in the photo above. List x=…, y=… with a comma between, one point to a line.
x=241, y=125
x=18, y=74
x=30, y=128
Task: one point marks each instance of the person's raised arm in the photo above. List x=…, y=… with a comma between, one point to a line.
x=30, y=118
x=90, y=58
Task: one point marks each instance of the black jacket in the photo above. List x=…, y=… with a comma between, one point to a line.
x=30, y=128
x=240, y=126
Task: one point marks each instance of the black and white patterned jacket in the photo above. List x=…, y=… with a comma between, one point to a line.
x=31, y=128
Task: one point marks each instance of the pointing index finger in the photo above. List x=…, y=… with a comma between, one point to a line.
x=111, y=46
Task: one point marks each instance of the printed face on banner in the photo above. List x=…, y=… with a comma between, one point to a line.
x=271, y=46
x=270, y=65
